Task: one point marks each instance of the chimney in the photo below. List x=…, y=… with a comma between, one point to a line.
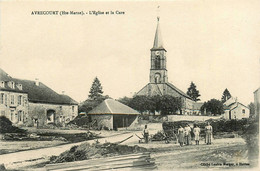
x=37, y=82
x=63, y=92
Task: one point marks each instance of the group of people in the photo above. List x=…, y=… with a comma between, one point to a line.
x=184, y=134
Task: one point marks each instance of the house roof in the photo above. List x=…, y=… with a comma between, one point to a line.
x=111, y=106
x=37, y=93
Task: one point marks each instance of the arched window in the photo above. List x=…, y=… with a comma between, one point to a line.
x=157, y=62
x=157, y=78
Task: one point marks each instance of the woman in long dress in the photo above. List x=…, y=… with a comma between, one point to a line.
x=181, y=135
x=209, y=131
x=196, y=132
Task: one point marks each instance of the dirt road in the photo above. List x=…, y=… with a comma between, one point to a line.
x=223, y=153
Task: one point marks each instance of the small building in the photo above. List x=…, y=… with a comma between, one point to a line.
x=196, y=108
x=112, y=114
x=235, y=110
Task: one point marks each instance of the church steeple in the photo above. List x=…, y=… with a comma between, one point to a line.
x=158, y=43
x=158, y=71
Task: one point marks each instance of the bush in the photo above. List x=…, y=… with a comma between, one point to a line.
x=7, y=127
x=220, y=125
x=80, y=121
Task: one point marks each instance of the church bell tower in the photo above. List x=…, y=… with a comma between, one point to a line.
x=158, y=71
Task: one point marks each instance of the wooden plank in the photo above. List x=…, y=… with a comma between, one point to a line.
x=97, y=161
x=104, y=159
x=109, y=166
x=100, y=162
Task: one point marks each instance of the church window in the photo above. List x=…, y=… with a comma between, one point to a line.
x=157, y=62
x=157, y=78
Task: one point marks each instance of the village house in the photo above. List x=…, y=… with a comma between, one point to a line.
x=158, y=84
x=32, y=103
x=235, y=110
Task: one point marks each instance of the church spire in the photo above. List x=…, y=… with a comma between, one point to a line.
x=158, y=43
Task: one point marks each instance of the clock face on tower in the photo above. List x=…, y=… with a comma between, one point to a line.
x=157, y=52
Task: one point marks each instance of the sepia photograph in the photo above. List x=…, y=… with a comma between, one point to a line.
x=129, y=85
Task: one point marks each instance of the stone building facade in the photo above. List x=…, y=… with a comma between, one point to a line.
x=13, y=102
x=235, y=110
x=32, y=103
x=257, y=102
x=158, y=84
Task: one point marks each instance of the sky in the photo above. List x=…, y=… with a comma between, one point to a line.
x=214, y=43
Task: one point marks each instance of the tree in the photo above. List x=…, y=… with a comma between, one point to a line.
x=165, y=104
x=140, y=103
x=169, y=104
x=193, y=92
x=90, y=104
x=95, y=97
x=251, y=107
x=125, y=100
x=95, y=90
x=225, y=96
x=213, y=106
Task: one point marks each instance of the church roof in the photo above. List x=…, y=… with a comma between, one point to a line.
x=36, y=93
x=178, y=90
x=158, y=43
x=111, y=106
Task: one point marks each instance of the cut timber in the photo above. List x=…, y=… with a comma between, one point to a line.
x=139, y=160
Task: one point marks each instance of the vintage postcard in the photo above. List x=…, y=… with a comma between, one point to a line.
x=129, y=85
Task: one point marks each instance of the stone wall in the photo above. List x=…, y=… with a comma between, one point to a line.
x=172, y=118
x=62, y=113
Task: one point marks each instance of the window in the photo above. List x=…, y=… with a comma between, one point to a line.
x=157, y=62
x=11, y=84
x=72, y=108
x=6, y=99
x=2, y=84
x=243, y=111
x=19, y=100
x=12, y=99
x=20, y=87
x=20, y=116
x=2, y=98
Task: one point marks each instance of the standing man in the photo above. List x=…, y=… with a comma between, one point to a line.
x=187, y=134
x=146, y=134
x=208, y=130
x=196, y=132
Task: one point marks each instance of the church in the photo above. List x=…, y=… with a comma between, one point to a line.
x=158, y=84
